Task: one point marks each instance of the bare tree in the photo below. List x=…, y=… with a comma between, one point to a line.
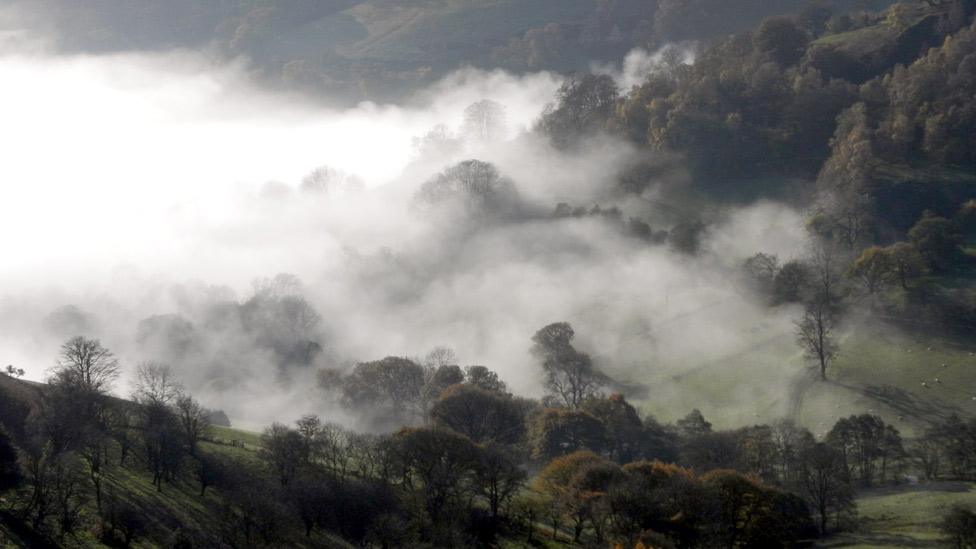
x=119, y=423
x=87, y=364
x=76, y=405
x=335, y=449
x=94, y=452
x=440, y=356
x=827, y=275
x=283, y=451
x=155, y=389
x=162, y=439
x=498, y=477
x=193, y=420
x=814, y=333
x=484, y=121
x=68, y=496
x=155, y=384
x=825, y=483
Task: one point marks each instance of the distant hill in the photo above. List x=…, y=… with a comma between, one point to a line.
x=379, y=49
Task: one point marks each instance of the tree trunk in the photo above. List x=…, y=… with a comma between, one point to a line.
x=823, y=519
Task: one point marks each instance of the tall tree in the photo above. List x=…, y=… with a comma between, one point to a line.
x=283, y=450
x=873, y=269
x=906, y=262
x=814, y=333
x=570, y=375
x=482, y=416
x=484, y=121
x=558, y=431
x=193, y=419
x=440, y=462
x=825, y=484
x=937, y=239
x=583, y=106
x=497, y=477
x=88, y=364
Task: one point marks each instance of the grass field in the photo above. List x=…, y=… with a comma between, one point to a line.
x=909, y=379
x=904, y=516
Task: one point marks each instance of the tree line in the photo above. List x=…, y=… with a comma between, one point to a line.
x=473, y=463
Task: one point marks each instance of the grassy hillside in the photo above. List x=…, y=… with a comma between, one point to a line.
x=382, y=49
x=880, y=369
x=446, y=33
x=906, y=32
x=904, y=516
x=163, y=515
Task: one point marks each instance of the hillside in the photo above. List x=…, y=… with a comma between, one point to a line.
x=900, y=37
x=907, y=516
x=155, y=517
x=381, y=50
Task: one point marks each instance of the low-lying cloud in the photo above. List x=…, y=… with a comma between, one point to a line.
x=161, y=185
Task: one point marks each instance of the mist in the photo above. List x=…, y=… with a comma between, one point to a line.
x=145, y=185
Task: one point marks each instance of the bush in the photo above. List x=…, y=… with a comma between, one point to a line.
x=10, y=475
x=960, y=527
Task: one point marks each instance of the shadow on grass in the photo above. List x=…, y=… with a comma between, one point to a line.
x=879, y=540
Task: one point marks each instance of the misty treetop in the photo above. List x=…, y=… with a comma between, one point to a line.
x=475, y=186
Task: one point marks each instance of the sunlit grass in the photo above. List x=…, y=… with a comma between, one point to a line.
x=905, y=516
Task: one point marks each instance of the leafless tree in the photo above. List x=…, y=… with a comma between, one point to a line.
x=484, y=121
x=119, y=422
x=283, y=451
x=155, y=389
x=155, y=384
x=94, y=453
x=814, y=333
x=440, y=356
x=827, y=274
x=335, y=449
x=87, y=364
x=193, y=420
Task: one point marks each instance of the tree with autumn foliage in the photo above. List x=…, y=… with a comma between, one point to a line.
x=577, y=485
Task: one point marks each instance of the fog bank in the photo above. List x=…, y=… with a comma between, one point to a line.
x=137, y=186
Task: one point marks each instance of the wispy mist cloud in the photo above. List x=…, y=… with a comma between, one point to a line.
x=127, y=176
